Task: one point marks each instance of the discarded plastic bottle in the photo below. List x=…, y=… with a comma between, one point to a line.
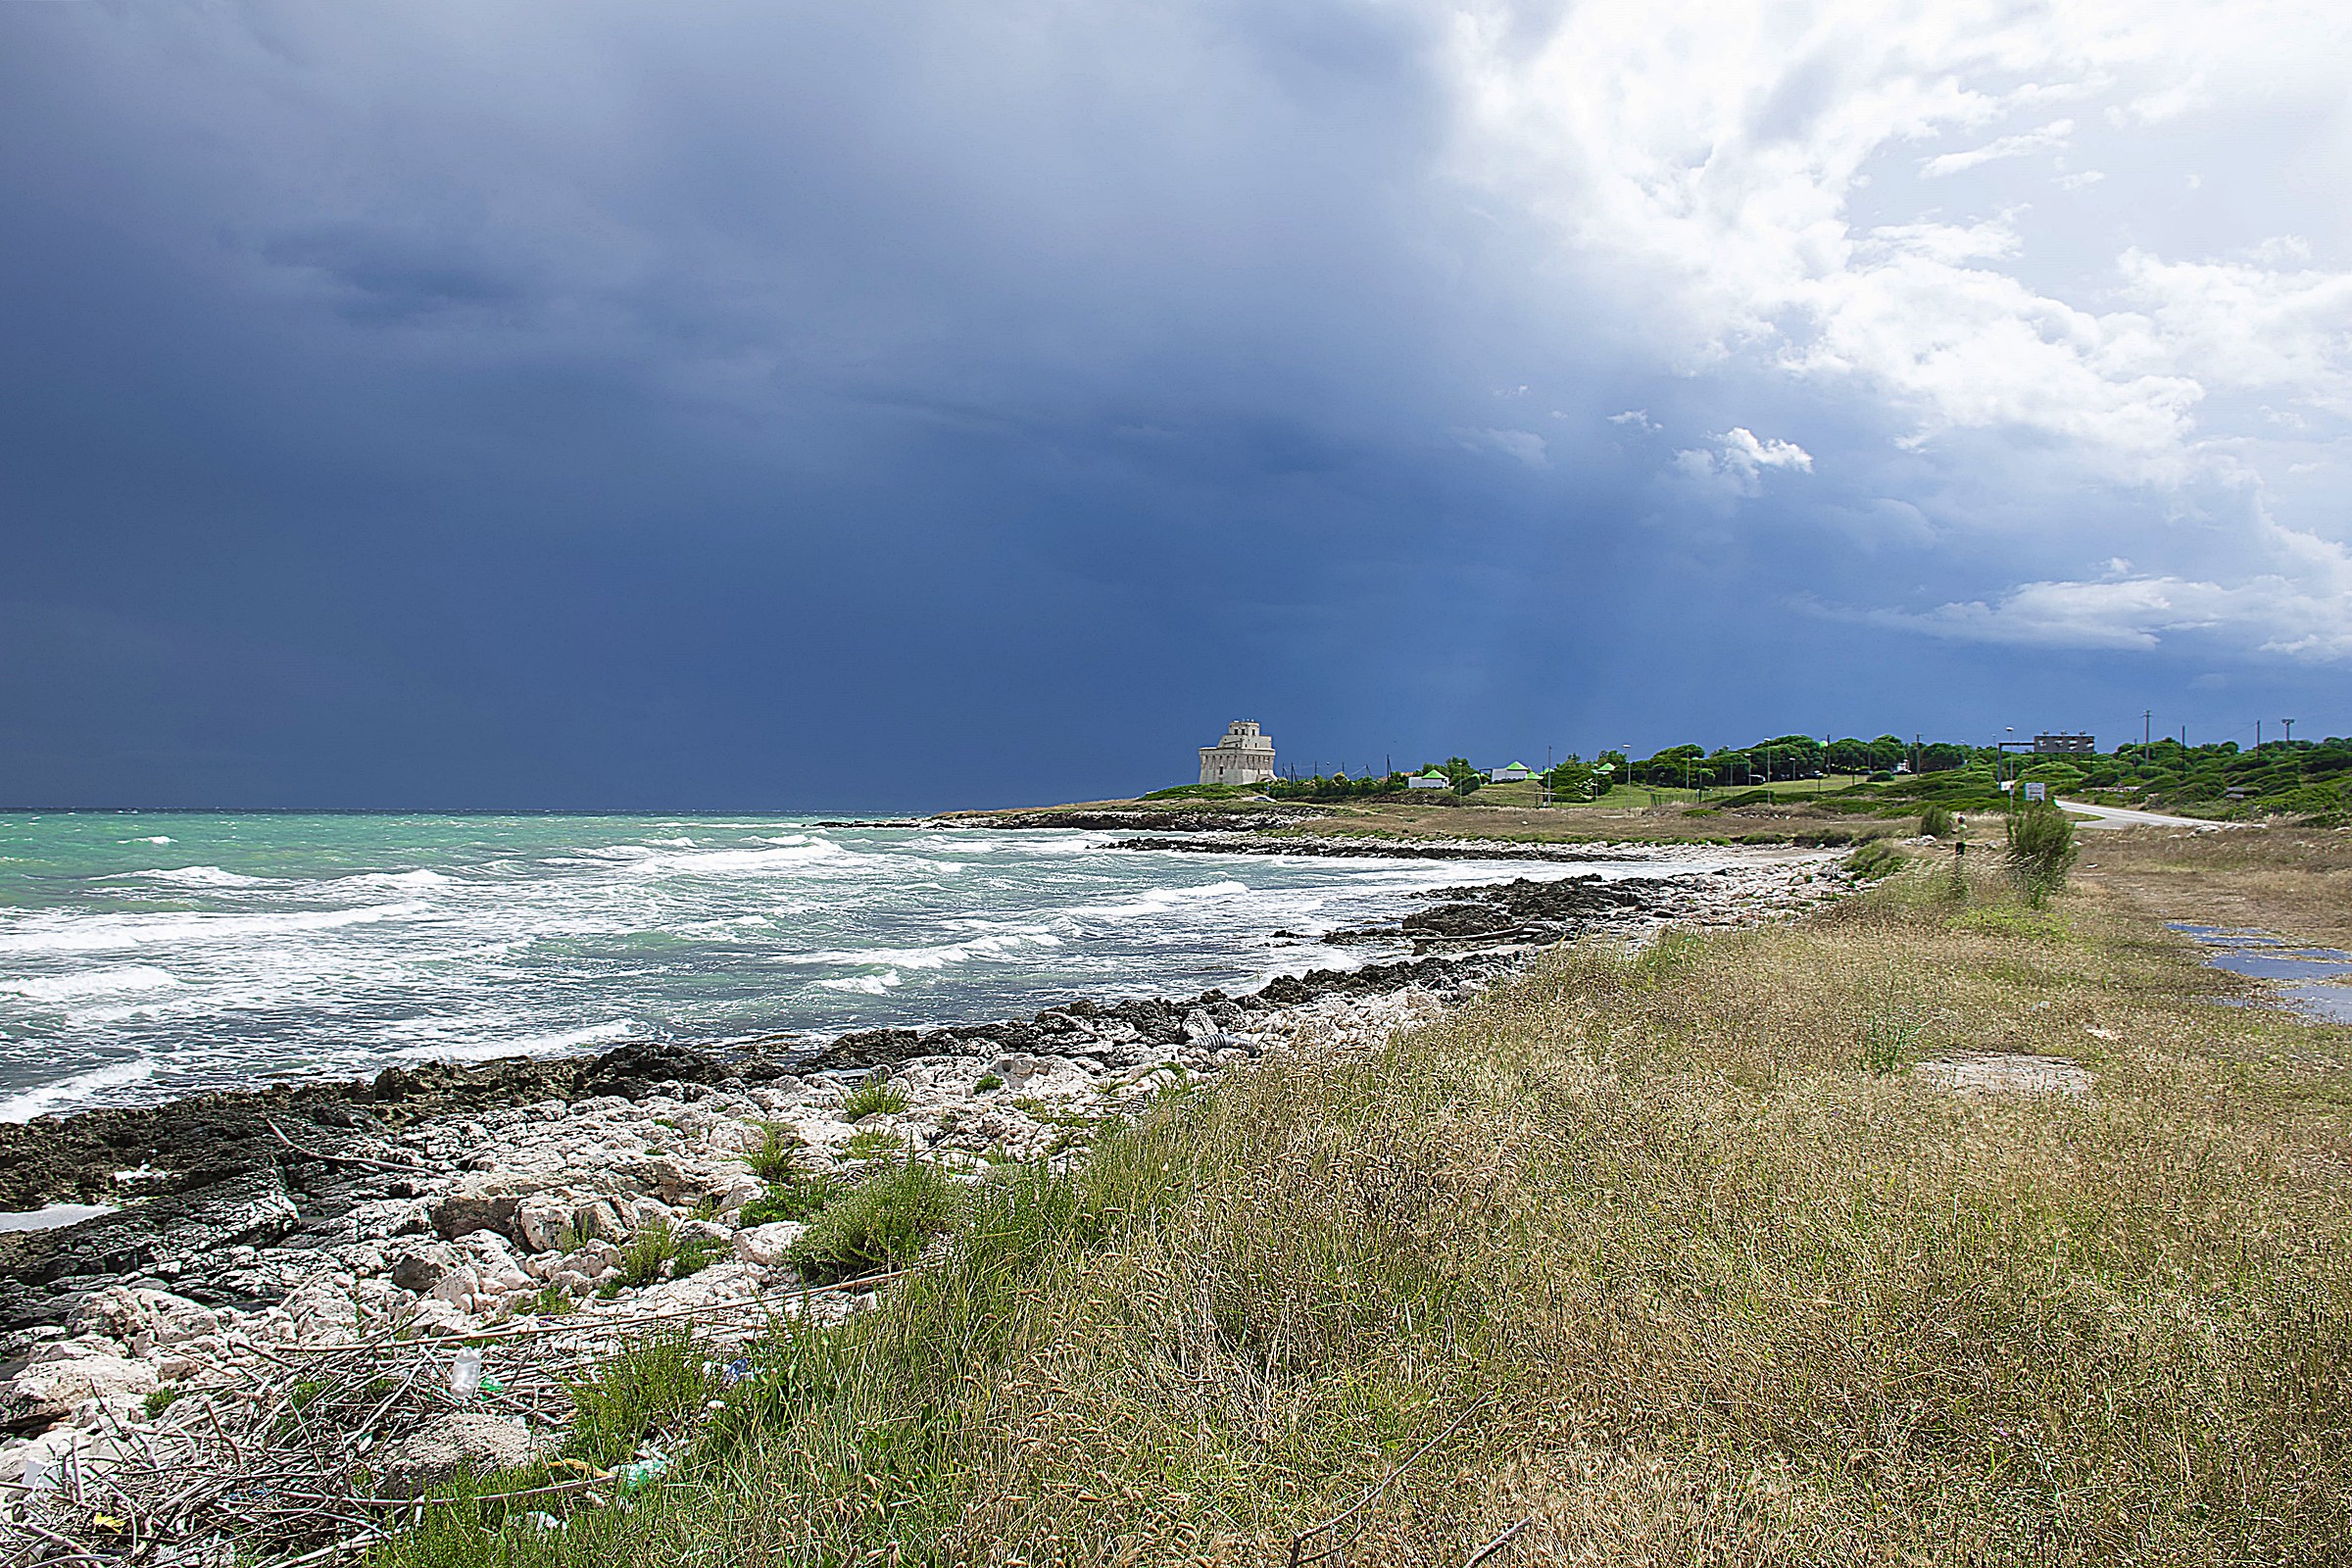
x=641, y=1472
x=466, y=1374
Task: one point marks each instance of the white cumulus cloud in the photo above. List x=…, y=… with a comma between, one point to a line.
x=2056, y=134
x=1524, y=445
x=1770, y=190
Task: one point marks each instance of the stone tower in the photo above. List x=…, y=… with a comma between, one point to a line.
x=1246, y=755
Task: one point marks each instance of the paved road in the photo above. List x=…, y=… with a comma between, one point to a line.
x=2113, y=816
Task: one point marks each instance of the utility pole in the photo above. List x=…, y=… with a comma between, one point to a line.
x=2146, y=736
x=2258, y=734
x=2290, y=732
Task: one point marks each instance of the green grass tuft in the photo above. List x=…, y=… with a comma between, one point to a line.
x=1875, y=859
x=871, y=1097
x=881, y=1225
x=773, y=1158
x=871, y=1143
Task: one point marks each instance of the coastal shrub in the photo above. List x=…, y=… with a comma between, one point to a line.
x=883, y=1224
x=697, y=1250
x=650, y=1390
x=868, y=1098
x=987, y=1083
x=649, y=1247
x=794, y=1194
x=1936, y=820
x=1873, y=860
x=773, y=1158
x=159, y=1400
x=870, y=1143
x=2041, y=848
x=1197, y=792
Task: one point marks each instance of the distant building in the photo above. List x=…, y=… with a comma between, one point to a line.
x=1246, y=755
x=2065, y=745
x=1431, y=780
x=1511, y=775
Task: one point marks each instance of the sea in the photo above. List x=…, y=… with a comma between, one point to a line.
x=146, y=955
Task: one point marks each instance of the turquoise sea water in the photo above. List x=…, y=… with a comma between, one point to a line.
x=143, y=956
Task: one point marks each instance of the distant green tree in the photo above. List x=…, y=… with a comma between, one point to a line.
x=1850, y=756
x=1670, y=768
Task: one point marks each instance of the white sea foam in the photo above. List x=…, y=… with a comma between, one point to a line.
x=158, y=839
x=200, y=876
x=70, y=1093
x=93, y=983
x=871, y=985
x=482, y=1049
x=940, y=956
x=779, y=860
x=1158, y=901
x=115, y=932
x=540, y=935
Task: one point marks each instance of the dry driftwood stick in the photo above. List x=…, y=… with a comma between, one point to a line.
x=1333, y=1546
x=1499, y=1542
x=325, y=1159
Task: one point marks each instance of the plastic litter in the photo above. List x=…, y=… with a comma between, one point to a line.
x=739, y=1370
x=491, y=1385
x=639, y=1473
x=466, y=1374
x=539, y=1521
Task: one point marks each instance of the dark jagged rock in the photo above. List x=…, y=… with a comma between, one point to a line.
x=1530, y=911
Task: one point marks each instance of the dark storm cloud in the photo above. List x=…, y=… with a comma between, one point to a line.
x=613, y=405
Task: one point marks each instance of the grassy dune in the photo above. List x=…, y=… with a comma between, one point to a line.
x=1714, y=1277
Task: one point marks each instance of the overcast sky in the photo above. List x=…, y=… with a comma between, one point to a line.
x=740, y=406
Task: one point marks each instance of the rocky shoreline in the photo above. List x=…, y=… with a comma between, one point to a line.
x=449, y=1199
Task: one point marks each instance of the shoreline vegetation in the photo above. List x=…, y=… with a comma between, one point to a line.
x=2303, y=781
x=1939, y=1222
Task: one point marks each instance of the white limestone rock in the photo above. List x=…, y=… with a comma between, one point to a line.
x=764, y=1245
x=73, y=1371
x=145, y=1320
x=461, y=1441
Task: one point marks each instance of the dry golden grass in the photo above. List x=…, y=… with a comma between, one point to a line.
x=1716, y=1277
x=2296, y=882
